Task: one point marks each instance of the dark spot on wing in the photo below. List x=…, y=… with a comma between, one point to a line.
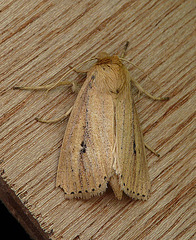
x=116, y=92
x=83, y=150
x=83, y=145
x=134, y=147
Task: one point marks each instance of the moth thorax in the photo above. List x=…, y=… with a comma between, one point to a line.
x=115, y=78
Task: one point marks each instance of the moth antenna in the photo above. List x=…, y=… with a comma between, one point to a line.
x=125, y=49
x=124, y=59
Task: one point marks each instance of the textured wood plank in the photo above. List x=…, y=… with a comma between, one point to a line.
x=39, y=39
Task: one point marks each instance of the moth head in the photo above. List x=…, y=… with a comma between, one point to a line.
x=102, y=55
x=105, y=58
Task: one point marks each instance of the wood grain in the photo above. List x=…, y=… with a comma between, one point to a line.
x=39, y=40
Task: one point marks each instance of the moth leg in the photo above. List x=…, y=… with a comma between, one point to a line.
x=45, y=87
x=77, y=70
x=56, y=119
x=140, y=88
x=152, y=150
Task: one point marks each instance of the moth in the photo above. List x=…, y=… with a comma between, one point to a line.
x=103, y=142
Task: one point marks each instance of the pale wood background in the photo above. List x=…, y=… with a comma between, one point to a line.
x=39, y=39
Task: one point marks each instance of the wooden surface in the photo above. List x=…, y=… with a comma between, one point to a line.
x=39, y=39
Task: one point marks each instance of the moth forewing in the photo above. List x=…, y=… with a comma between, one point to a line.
x=131, y=162
x=85, y=163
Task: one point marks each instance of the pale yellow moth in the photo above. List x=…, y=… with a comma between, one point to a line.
x=103, y=142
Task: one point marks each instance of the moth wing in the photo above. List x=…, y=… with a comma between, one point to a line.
x=131, y=163
x=85, y=163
